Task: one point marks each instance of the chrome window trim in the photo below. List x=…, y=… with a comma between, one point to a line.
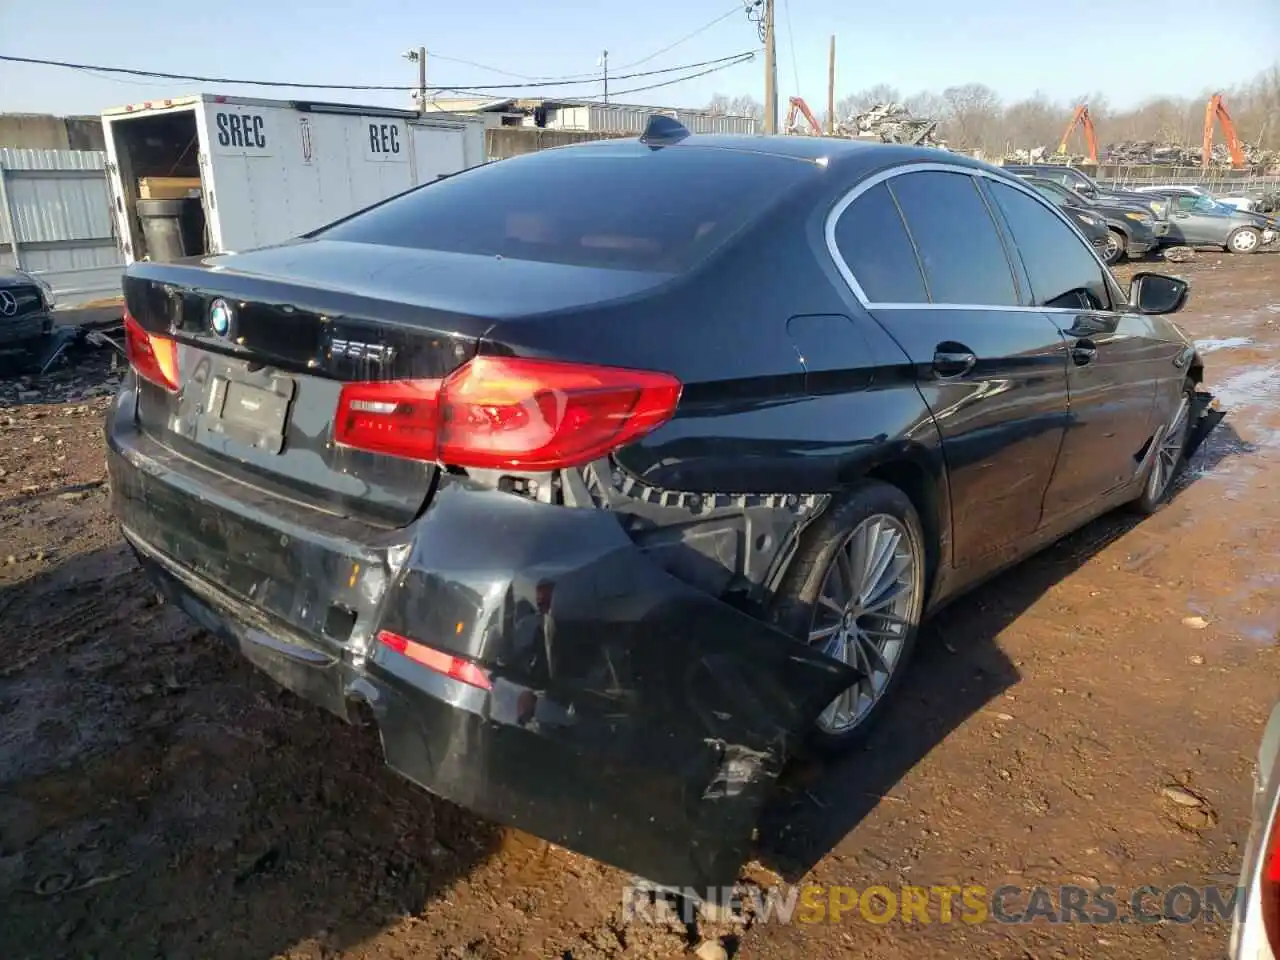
x=843, y=204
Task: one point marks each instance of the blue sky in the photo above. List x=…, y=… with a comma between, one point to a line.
x=1127, y=49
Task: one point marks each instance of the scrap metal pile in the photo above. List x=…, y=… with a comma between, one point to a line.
x=1174, y=155
x=891, y=123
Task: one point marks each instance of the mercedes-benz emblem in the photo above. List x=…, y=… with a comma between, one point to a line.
x=8, y=304
x=222, y=319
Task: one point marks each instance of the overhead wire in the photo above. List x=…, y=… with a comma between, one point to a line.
x=730, y=60
x=595, y=77
x=746, y=57
x=791, y=39
x=735, y=9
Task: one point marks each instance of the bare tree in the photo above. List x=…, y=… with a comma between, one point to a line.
x=719, y=105
x=973, y=118
x=743, y=105
x=973, y=113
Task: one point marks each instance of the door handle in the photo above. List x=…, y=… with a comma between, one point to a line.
x=1083, y=352
x=953, y=360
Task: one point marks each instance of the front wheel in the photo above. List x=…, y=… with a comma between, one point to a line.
x=1115, y=247
x=856, y=591
x=1244, y=240
x=1169, y=457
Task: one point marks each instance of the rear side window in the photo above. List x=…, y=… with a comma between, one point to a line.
x=1062, y=270
x=873, y=241
x=626, y=207
x=959, y=247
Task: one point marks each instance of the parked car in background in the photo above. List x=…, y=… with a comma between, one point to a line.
x=1202, y=222
x=1178, y=188
x=1092, y=227
x=25, y=318
x=569, y=467
x=1239, y=201
x=1255, y=933
x=1132, y=229
x=1087, y=187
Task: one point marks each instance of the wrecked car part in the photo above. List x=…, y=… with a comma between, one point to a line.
x=660, y=716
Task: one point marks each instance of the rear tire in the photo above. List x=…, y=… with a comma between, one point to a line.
x=1244, y=240
x=1117, y=246
x=856, y=589
x=1170, y=458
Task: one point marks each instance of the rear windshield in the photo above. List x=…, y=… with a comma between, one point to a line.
x=625, y=206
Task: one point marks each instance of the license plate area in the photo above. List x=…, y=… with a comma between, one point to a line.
x=255, y=414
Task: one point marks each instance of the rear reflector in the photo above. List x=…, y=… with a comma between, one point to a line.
x=153, y=357
x=436, y=660
x=507, y=412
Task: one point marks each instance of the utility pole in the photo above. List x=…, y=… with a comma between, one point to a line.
x=770, y=71
x=831, y=89
x=419, y=57
x=604, y=62
x=422, y=80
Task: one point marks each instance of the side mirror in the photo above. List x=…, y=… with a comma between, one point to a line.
x=1156, y=293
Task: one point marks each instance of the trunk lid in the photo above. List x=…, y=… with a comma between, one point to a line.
x=259, y=382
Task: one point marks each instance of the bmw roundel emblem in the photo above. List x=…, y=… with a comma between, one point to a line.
x=222, y=319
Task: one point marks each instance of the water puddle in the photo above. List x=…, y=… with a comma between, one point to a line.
x=1249, y=612
x=1257, y=386
x=1212, y=344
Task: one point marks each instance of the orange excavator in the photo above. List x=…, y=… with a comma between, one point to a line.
x=798, y=106
x=1081, y=119
x=1215, y=109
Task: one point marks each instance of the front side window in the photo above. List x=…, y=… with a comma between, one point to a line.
x=1063, y=271
x=957, y=242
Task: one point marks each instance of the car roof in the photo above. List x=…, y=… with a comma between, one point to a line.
x=853, y=156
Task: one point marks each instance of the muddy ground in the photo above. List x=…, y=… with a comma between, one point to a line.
x=1089, y=717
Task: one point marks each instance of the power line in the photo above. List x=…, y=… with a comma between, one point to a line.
x=742, y=58
x=196, y=78
x=791, y=39
x=737, y=8
x=594, y=77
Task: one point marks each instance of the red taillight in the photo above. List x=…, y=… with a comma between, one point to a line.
x=507, y=412
x=400, y=417
x=443, y=663
x=1270, y=893
x=153, y=357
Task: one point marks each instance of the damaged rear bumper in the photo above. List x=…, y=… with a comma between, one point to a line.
x=630, y=717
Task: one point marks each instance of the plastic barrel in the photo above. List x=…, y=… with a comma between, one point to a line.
x=173, y=228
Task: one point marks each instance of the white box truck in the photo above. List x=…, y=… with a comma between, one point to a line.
x=259, y=172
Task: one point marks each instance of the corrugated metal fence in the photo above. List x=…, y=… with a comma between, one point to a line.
x=55, y=221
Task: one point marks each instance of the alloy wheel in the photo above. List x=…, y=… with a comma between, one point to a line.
x=1111, y=252
x=864, y=614
x=1165, y=464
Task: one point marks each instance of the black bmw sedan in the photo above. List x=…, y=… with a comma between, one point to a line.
x=609, y=476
